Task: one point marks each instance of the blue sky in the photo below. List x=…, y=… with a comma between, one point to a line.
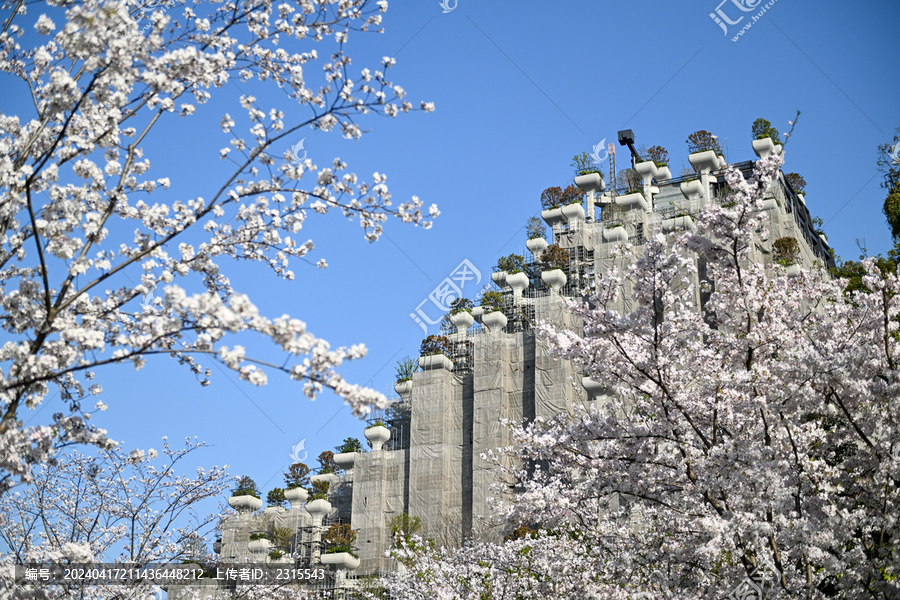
x=519, y=87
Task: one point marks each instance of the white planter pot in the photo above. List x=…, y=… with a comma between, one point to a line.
x=536, y=246
x=245, y=503
x=765, y=147
x=259, y=546
x=824, y=238
x=802, y=199
x=345, y=460
x=554, y=278
x=573, y=213
x=296, y=496
x=518, y=282
x=552, y=217
x=435, y=361
x=770, y=204
x=692, y=190
x=403, y=387
x=702, y=161
x=499, y=278
x=663, y=173
x=272, y=510
x=477, y=313
x=793, y=271
x=592, y=387
x=377, y=436
x=647, y=170
x=284, y=560
x=592, y=182
x=495, y=321
x=632, y=201
x=341, y=560
x=318, y=509
x=463, y=320
x=330, y=478
x=678, y=224
x=615, y=234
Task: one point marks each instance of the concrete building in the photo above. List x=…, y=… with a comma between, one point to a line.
x=427, y=461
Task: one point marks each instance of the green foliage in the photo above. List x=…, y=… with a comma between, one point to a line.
x=763, y=129
x=351, y=444
x=492, y=301
x=297, y=476
x=701, y=141
x=405, y=368
x=854, y=271
x=555, y=257
x=320, y=490
x=511, y=263
x=886, y=163
x=572, y=195
x=281, y=536
x=327, y=464
x=520, y=532
x=339, y=538
x=405, y=525
x=376, y=424
x=786, y=251
x=258, y=535
x=276, y=554
x=462, y=305
x=659, y=155
x=551, y=197
x=246, y=487
x=584, y=164
x=796, y=181
x=534, y=228
x=275, y=497
x=891, y=210
x=435, y=344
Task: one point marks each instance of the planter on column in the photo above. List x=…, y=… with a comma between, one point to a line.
x=663, y=173
x=677, y=224
x=765, y=147
x=793, y=271
x=495, y=320
x=552, y=217
x=477, y=313
x=377, y=436
x=554, y=278
x=296, y=496
x=435, y=361
x=272, y=510
x=706, y=160
x=403, y=387
x=318, y=509
x=499, y=278
x=462, y=320
x=259, y=546
x=573, y=213
x=592, y=182
x=614, y=234
x=692, y=190
x=345, y=461
x=245, y=503
x=341, y=560
x=518, y=282
x=633, y=200
x=330, y=478
x=536, y=246
x=647, y=170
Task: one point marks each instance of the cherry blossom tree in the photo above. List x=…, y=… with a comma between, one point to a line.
x=110, y=507
x=748, y=444
x=88, y=229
